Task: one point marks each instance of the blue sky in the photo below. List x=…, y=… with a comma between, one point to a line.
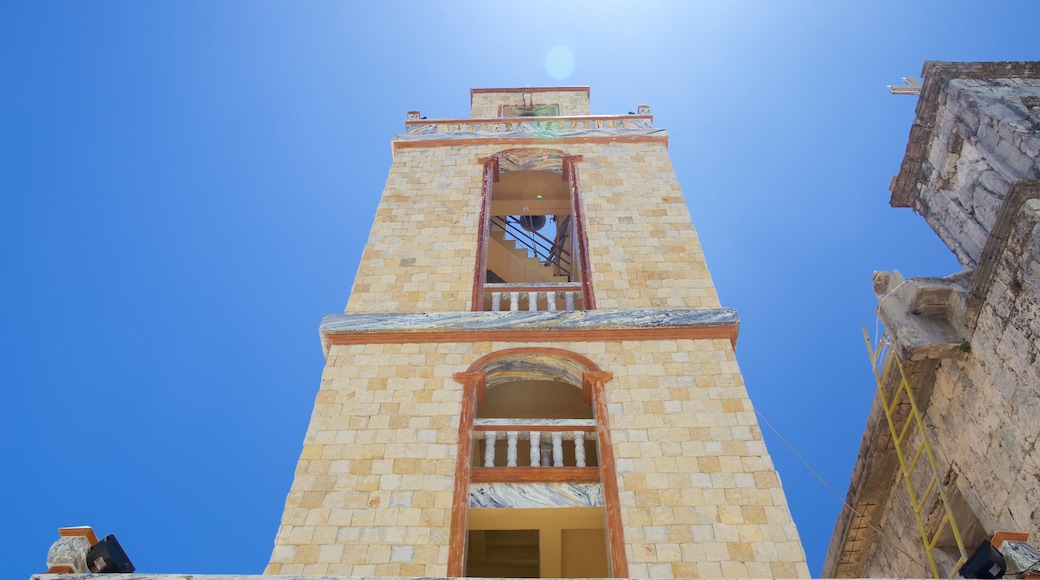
x=185, y=189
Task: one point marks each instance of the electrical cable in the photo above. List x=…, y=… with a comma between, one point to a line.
x=835, y=494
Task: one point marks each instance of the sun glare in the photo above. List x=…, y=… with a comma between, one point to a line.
x=559, y=62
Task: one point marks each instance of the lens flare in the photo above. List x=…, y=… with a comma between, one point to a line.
x=559, y=62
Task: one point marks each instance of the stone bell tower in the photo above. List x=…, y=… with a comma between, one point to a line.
x=533, y=375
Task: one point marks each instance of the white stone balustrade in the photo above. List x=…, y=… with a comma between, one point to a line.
x=579, y=449
x=546, y=437
x=510, y=448
x=533, y=297
x=489, y=449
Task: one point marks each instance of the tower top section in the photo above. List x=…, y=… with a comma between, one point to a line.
x=529, y=102
x=528, y=116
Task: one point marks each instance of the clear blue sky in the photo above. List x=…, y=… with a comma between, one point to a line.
x=185, y=188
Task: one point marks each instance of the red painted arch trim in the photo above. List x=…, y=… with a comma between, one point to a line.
x=480, y=363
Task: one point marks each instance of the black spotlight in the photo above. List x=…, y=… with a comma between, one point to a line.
x=984, y=562
x=108, y=557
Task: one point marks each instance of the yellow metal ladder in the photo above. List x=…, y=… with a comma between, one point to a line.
x=884, y=360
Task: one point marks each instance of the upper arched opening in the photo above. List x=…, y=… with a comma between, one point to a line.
x=511, y=160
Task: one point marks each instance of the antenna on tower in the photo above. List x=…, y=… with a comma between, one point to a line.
x=527, y=108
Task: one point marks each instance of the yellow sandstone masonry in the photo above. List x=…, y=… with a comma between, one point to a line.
x=572, y=101
x=421, y=252
x=699, y=495
x=373, y=490
x=698, y=492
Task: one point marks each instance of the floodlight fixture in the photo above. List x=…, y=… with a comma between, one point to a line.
x=108, y=557
x=985, y=562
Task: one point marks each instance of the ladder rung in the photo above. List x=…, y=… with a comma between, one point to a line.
x=913, y=462
x=928, y=490
x=882, y=373
x=895, y=399
x=942, y=525
x=902, y=432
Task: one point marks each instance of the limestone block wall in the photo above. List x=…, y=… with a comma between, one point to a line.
x=643, y=247
x=373, y=488
x=572, y=100
x=421, y=252
x=699, y=495
x=372, y=494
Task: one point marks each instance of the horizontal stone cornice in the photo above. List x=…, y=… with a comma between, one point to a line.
x=529, y=130
x=571, y=326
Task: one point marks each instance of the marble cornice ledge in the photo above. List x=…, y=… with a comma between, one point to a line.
x=229, y=577
x=568, y=326
x=235, y=577
x=136, y=576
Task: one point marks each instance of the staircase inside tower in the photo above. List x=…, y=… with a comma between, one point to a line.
x=529, y=257
x=519, y=253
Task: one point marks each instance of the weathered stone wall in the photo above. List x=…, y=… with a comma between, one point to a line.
x=985, y=411
x=421, y=252
x=971, y=141
x=699, y=495
x=970, y=170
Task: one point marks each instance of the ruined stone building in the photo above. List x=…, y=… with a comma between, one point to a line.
x=968, y=342
x=533, y=375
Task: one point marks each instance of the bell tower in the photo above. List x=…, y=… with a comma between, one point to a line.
x=534, y=376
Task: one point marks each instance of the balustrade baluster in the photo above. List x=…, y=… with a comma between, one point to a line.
x=550, y=300
x=489, y=449
x=535, y=447
x=496, y=301
x=557, y=449
x=579, y=448
x=568, y=297
x=546, y=452
x=532, y=301
x=511, y=448
x=514, y=301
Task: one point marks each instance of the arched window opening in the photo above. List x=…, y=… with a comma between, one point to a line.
x=536, y=494
x=531, y=248
x=534, y=423
x=531, y=235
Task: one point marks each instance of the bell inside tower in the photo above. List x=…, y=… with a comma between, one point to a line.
x=530, y=238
